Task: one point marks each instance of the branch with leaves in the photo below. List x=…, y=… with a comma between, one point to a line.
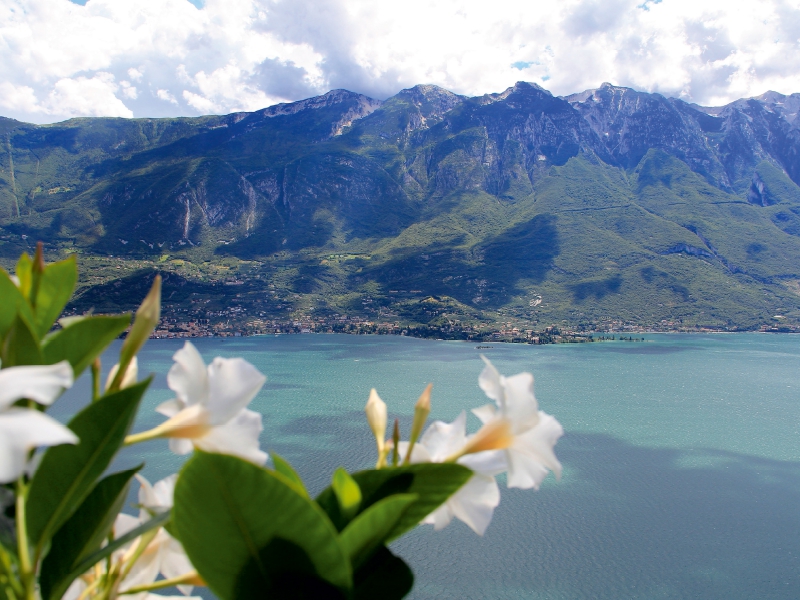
x=226, y=521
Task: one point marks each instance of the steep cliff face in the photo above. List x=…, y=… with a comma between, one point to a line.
x=629, y=123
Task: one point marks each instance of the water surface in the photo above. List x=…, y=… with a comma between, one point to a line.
x=681, y=457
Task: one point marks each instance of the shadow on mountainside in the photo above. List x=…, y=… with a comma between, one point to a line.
x=486, y=277
x=127, y=293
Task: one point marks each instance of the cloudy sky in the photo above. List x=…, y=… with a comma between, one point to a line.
x=152, y=58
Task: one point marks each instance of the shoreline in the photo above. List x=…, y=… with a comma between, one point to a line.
x=551, y=335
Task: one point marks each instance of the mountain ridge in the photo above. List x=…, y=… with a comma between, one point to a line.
x=583, y=208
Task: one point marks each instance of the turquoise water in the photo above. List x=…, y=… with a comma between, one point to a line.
x=681, y=457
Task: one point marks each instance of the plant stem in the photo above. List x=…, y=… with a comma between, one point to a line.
x=13, y=589
x=27, y=573
x=189, y=578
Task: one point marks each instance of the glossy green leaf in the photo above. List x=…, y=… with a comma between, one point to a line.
x=383, y=576
x=250, y=534
x=20, y=345
x=285, y=469
x=56, y=285
x=369, y=530
x=13, y=302
x=348, y=494
x=83, y=533
x=434, y=483
x=68, y=473
x=82, y=341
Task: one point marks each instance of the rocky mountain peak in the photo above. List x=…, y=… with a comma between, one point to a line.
x=431, y=100
x=364, y=105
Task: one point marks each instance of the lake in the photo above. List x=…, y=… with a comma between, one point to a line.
x=681, y=456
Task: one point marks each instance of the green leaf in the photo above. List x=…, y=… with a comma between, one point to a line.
x=82, y=341
x=158, y=521
x=383, y=576
x=20, y=346
x=67, y=473
x=370, y=529
x=56, y=285
x=13, y=302
x=250, y=534
x=348, y=494
x=434, y=483
x=24, y=273
x=285, y=469
x=83, y=533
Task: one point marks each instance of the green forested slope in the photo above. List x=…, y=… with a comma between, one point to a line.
x=429, y=208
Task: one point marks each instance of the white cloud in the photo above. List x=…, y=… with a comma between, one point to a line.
x=59, y=59
x=82, y=96
x=166, y=96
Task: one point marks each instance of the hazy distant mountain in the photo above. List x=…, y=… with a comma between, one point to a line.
x=606, y=204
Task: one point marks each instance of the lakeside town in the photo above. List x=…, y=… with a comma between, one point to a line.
x=171, y=327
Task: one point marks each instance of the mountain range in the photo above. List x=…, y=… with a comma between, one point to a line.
x=606, y=206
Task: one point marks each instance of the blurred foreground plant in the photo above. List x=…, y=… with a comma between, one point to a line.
x=225, y=521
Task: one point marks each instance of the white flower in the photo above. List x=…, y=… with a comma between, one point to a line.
x=530, y=454
x=209, y=409
x=164, y=554
x=23, y=429
x=475, y=501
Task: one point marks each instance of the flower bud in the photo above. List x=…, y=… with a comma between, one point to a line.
x=421, y=411
x=376, y=417
x=147, y=317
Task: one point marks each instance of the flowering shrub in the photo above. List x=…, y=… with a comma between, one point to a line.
x=226, y=520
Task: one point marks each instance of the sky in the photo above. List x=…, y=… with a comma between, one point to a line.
x=157, y=58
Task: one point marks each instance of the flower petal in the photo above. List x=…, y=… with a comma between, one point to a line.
x=492, y=462
x=156, y=498
x=181, y=446
x=440, y=518
x=43, y=384
x=131, y=373
x=475, y=501
x=175, y=563
x=485, y=413
x=419, y=454
x=165, y=490
x=188, y=377
x=519, y=405
x=75, y=590
x=531, y=455
x=443, y=440
x=22, y=430
x=238, y=437
x=489, y=381
x=233, y=383
x=145, y=569
x=125, y=523
x=170, y=408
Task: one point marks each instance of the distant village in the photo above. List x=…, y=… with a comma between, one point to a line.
x=173, y=327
